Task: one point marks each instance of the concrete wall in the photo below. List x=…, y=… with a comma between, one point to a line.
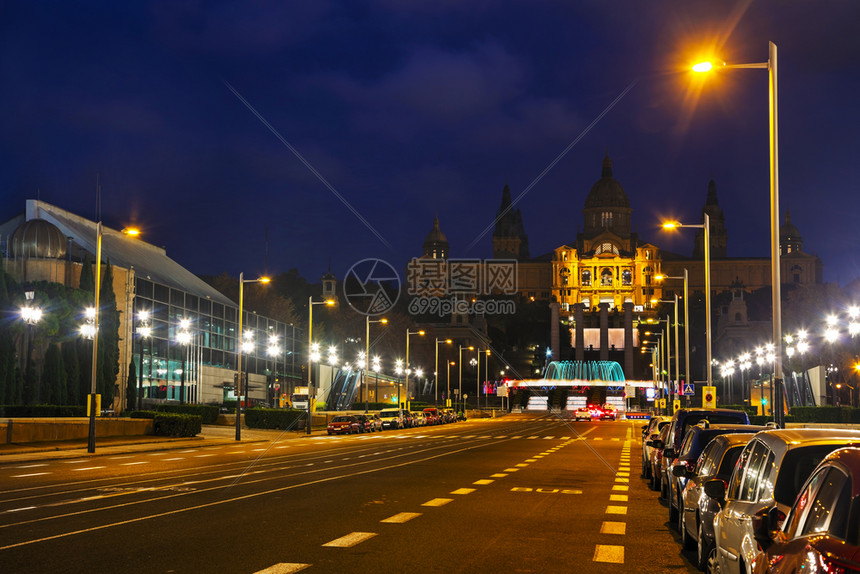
x=26, y=430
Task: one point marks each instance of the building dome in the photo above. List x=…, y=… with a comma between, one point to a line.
x=788, y=232
x=607, y=192
x=436, y=244
x=38, y=239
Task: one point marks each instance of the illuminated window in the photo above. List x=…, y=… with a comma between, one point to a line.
x=626, y=277
x=606, y=277
x=586, y=277
x=606, y=247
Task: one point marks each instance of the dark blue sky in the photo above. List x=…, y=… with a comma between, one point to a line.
x=412, y=108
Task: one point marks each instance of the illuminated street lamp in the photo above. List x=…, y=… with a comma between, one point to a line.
x=686, y=322
x=460, y=361
x=770, y=65
x=311, y=303
x=408, y=333
x=240, y=341
x=674, y=302
x=273, y=350
x=183, y=337
x=91, y=439
x=144, y=331
x=367, y=352
x=436, y=372
x=706, y=225
x=31, y=314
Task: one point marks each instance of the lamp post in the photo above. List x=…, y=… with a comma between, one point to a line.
x=31, y=314
x=674, y=301
x=311, y=304
x=398, y=370
x=91, y=439
x=239, y=342
x=436, y=372
x=183, y=337
x=686, y=324
x=449, y=364
x=367, y=352
x=273, y=350
x=408, y=333
x=707, y=227
x=376, y=367
x=460, y=361
x=773, y=138
x=143, y=331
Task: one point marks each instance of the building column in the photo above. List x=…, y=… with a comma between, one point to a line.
x=604, y=331
x=579, y=337
x=554, y=330
x=628, y=340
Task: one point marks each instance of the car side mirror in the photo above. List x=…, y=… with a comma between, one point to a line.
x=765, y=525
x=716, y=489
x=656, y=443
x=669, y=453
x=681, y=471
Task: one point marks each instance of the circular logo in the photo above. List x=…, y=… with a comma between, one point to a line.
x=709, y=398
x=371, y=287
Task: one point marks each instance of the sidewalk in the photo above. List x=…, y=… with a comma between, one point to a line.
x=211, y=435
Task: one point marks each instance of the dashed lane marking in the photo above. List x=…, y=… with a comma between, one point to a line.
x=483, y=481
x=621, y=487
x=283, y=568
x=511, y=469
x=176, y=458
x=621, y=479
x=438, y=502
x=74, y=461
x=87, y=468
x=350, y=540
x=531, y=460
x=401, y=517
x=616, y=510
x=521, y=464
x=498, y=475
x=32, y=465
x=134, y=463
x=532, y=437
x=464, y=491
x=29, y=475
x=618, y=498
x=613, y=528
x=607, y=553
x=548, y=437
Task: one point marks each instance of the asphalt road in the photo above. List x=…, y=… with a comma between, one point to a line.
x=521, y=493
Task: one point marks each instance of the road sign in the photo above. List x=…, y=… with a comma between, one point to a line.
x=709, y=397
x=676, y=404
x=689, y=390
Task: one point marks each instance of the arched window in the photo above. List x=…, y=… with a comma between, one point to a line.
x=626, y=277
x=606, y=247
x=606, y=277
x=586, y=277
x=564, y=274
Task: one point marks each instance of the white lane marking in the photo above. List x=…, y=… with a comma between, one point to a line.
x=190, y=450
x=548, y=437
x=511, y=469
x=87, y=468
x=501, y=436
x=618, y=498
x=518, y=436
x=607, y=553
x=401, y=517
x=120, y=457
x=521, y=464
x=438, y=502
x=32, y=465
x=621, y=487
x=613, y=528
x=176, y=458
x=283, y=568
x=74, y=461
x=498, y=475
x=483, y=481
x=531, y=460
x=202, y=455
x=29, y=475
x=350, y=540
x=616, y=510
x=133, y=463
x=22, y=508
x=463, y=491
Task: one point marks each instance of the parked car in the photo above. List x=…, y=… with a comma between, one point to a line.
x=716, y=461
x=697, y=438
x=764, y=484
x=656, y=460
x=344, y=424
x=391, y=419
x=682, y=420
x=418, y=418
x=375, y=422
x=432, y=415
x=819, y=535
x=650, y=433
x=365, y=423
x=406, y=416
x=582, y=414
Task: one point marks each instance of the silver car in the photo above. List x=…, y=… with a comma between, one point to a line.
x=769, y=473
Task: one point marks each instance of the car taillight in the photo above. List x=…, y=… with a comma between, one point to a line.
x=831, y=565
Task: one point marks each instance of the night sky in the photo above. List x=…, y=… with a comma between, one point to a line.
x=412, y=108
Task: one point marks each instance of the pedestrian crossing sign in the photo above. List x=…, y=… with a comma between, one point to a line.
x=689, y=390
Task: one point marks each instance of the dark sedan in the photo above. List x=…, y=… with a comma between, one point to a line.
x=344, y=424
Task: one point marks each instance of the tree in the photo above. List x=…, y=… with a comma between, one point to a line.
x=73, y=376
x=87, y=281
x=54, y=378
x=131, y=386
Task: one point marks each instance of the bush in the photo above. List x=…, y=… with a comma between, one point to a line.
x=142, y=414
x=176, y=425
x=42, y=411
x=283, y=419
x=825, y=414
x=207, y=413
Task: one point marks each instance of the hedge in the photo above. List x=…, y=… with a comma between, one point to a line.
x=207, y=413
x=164, y=424
x=283, y=419
x=42, y=411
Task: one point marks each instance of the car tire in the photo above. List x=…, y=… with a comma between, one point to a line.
x=703, y=553
x=673, y=510
x=712, y=563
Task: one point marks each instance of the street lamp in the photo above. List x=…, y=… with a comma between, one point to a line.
x=707, y=227
x=31, y=314
x=311, y=304
x=367, y=352
x=770, y=65
x=143, y=331
x=398, y=370
x=240, y=341
x=686, y=322
x=674, y=301
x=408, y=332
x=183, y=337
x=91, y=439
x=436, y=372
x=273, y=350
x=449, y=364
x=460, y=361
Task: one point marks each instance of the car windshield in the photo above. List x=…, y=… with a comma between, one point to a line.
x=341, y=419
x=388, y=414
